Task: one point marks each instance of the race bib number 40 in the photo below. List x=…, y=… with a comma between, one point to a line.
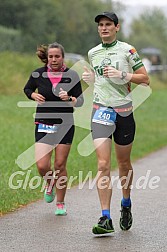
x=104, y=115
x=47, y=128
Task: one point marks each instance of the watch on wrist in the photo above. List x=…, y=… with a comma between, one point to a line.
x=123, y=75
x=70, y=98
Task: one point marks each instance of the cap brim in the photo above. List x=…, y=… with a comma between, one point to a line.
x=97, y=18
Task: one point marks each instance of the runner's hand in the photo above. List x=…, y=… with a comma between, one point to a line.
x=63, y=95
x=88, y=76
x=111, y=72
x=38, y=97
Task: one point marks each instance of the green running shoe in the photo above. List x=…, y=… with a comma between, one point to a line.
x=60, y=209
x=103, y=226
x=49, y=193
x=126, y=218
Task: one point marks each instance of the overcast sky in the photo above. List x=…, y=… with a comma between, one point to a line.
x=143, y=2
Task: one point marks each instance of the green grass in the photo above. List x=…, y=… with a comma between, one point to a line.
x=151, y=121
x=17, y=134
x=15, y=69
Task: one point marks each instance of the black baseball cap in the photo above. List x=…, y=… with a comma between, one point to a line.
x=111, y=15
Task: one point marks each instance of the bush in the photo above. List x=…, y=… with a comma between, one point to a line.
x=10, y=39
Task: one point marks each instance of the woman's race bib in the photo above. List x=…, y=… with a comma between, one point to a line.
x=47, y=128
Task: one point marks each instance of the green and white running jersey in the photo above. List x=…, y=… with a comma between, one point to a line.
x=113, y=91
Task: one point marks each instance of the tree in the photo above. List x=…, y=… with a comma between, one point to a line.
x=76, y=28
x=35, y=21
x=70, y=23
x=150, y=30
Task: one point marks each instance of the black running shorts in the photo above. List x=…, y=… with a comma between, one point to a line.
x=123, y=131
x=64, y=135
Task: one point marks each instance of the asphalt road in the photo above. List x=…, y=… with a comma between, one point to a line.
x=36, y=228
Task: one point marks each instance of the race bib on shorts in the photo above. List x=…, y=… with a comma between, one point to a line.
x=47, y=128
x=104, y=115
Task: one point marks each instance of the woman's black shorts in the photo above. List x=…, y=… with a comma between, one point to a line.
x=64, y=135
x=123, y=130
